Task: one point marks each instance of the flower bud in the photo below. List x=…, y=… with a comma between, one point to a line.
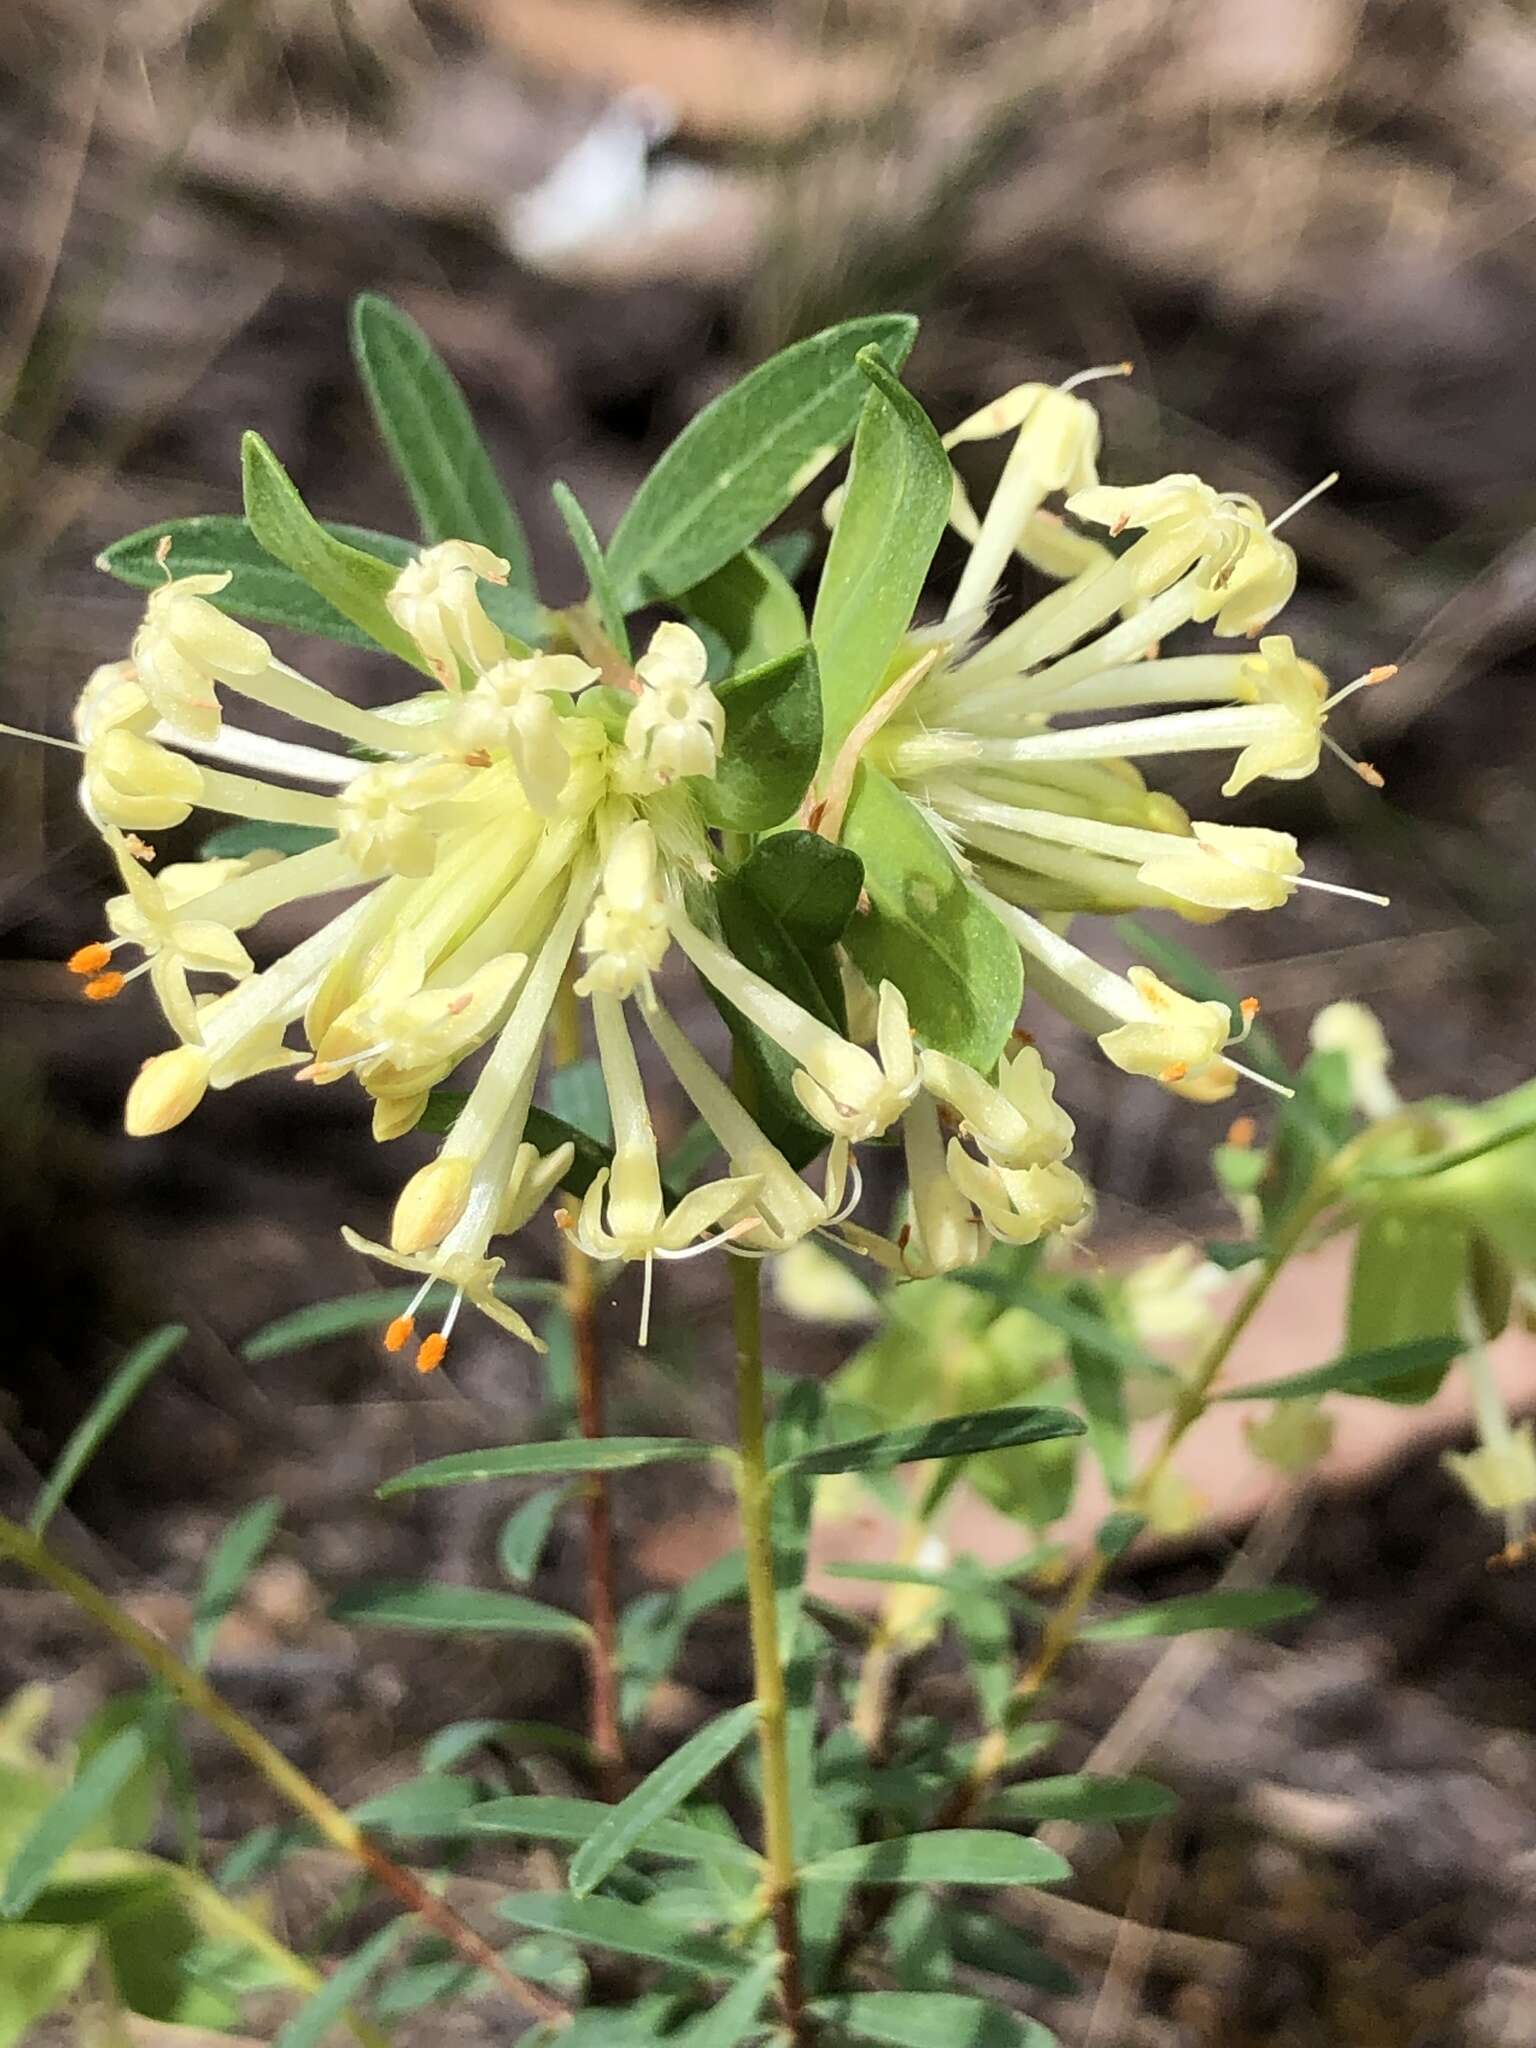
x=166, y=1090
x=429, y=1205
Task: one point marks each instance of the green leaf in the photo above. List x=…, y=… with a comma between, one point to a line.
x=250, y=835
x=233, y=1560
x=1100, y=1383
x=428, y=1807
x=578, y=1820
x=605, y=603
x=811, y=885
x=524, y=1535
x=98, y=1783
x=772, y=740
x=578, y=1097
x=1239, y=1607
x=631, y=1930
x=752, y=606
x=310, y=2026
x=734, y=468
x=1407, y=1285
x=945, y=950
x=568, y=1456
x=480, y=1609
x=753, y=932
x=986, y=1943
x=1309, y=1130
x=260, y=588
x=957, y=1436
x=1358, y=1372
x=374, y=1308
x=40, y=1970
x=353, y=582
x=737, y=2016
x=1077, y=1322
x=625, y=1826
x=426, y=422
x=1426, y=1165
x=893, y=518
x=1083, y=1797
x=103, y=1415
x=931, y=2019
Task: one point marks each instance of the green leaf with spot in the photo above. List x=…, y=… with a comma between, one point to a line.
x=948, y=1856
x=925, y=931
x=735, y=468
x=1083, y=1797
x=893, y=516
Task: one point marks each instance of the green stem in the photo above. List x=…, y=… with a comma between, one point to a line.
x=1060, y=1632
x=755, y=1494
x=323, y=1814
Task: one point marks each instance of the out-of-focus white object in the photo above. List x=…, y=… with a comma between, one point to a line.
x=607, y=210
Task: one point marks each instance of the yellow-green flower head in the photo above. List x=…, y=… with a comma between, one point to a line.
x=1293, y=1437
x=390, y=817
x=436, y=600
x=1291, y=697
x=678, y=726
x=1354, y=1030
x=1500, y=1476
x=1247, y=592
x=1018, y=1205
x=136, y=784
x=1184, y=521
x=513, y=709
x=625, y=938
x=152, y=915
x=1225, y=867
x=1174, y=1038
x=185, y=646
x=1018, y=1122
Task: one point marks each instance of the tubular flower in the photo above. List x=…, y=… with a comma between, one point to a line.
x=1047, y=820
x=185, y=646
x=436, y=599
x=678, y=726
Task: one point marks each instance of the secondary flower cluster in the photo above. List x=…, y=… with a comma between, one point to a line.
x=528, y=835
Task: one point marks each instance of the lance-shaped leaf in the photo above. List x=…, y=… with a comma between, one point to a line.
x=625, y=1827
x=426, y=422
x=924, y=930
x=604, y=598
x=234, y=1558
x=893, y=516
x=1358, y=1372
x=76, y=1809
x=630, y=1930
x=524, y=1534
x=734, y=468
x=116, y=1397
x=548, y=1819
x=355, y=583
x=772, y=740
x=456, y=1609
x=260, y=588
x=957, y=1436
x=1236, y=1607
x=948, y=1856
x=931, y=2019
x=1083, y=1797
x=567, y=1456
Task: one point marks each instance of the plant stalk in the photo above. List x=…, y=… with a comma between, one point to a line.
x=754, y=1493
x=290, y=1783
x=603, y=1728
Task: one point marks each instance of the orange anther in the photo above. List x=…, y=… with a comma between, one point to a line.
x=1383, y=674
x=432, y=1352
x=1176, y=1070
x=1242, y=1132
x=1249, y=1007
x=140, y=848
x=399, y=1333
x=89, y=959
x=103, y=987
x=1371, y=775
